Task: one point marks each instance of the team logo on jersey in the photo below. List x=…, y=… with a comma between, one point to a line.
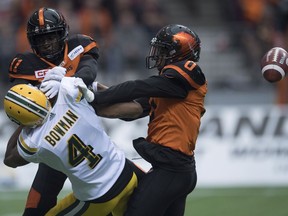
x=40, y=73
x=51, y=116
x=76, y=52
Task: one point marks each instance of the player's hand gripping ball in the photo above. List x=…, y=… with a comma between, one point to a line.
x=274, y=64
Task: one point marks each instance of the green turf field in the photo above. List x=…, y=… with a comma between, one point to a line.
x=202, y=202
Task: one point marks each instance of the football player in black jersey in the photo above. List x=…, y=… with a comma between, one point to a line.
x=174, y=100
x=53, y=49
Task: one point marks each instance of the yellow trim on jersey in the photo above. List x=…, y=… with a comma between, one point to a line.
x=25, y=147
x=79, y=96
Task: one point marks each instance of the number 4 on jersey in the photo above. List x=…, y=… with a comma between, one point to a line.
x=78, y=152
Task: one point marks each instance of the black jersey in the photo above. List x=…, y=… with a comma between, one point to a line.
x=32, y=68
x=176, y=97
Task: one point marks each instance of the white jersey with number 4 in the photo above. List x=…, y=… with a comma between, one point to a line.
x=73, y=141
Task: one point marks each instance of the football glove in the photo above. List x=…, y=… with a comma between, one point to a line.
x=88, y=94
x=51, y=82
x=95, y=86
x=50, y=88
x=56, y=73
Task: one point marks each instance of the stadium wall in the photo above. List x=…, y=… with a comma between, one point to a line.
x=237, y=146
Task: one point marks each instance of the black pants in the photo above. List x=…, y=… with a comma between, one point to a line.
x=161, y=192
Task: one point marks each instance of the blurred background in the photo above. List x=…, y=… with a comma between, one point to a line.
x=244, y=134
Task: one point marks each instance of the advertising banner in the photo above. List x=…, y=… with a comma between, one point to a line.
x=237, y=146
x=243, y=146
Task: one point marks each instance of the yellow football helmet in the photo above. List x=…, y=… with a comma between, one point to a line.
x=26, y=105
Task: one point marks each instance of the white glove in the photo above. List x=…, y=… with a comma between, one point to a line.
x=94, y=86
x=51, y=82
x=88, y=94
x=50, y=88
x=56, y=73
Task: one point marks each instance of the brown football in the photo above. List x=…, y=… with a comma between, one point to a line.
x=274, y=64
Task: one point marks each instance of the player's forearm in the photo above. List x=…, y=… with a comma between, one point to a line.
x=154, y=86
x=120, y=110
x=12, y=157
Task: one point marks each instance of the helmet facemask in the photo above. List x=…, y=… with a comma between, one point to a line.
x=158, y=54
x=49, y=46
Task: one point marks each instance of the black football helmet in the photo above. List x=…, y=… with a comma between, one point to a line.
x=173, y=43
x=47, y=31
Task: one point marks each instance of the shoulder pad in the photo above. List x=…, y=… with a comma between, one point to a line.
x=187, y=70
x=88, y=43
x=80, y=39
x=25, y=66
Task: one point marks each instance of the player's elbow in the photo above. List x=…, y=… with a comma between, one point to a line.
x=8, y=161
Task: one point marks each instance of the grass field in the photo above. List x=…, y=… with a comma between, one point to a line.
x=202, y=202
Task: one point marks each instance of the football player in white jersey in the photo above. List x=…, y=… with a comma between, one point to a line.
x=73, y=141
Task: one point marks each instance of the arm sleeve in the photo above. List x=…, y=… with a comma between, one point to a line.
x=155, y=86
x=87, y=69
x=144, y=102
x=26, y=150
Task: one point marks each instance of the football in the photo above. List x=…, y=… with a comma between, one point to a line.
x=274, y=64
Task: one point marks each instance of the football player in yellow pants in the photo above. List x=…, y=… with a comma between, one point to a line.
x=73, y=142
x=96, y=207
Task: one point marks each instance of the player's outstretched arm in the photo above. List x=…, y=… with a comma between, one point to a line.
x=12, y=157
x=125, y=110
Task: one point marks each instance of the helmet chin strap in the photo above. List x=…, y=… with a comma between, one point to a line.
x=56, y=58
x=162, y=63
